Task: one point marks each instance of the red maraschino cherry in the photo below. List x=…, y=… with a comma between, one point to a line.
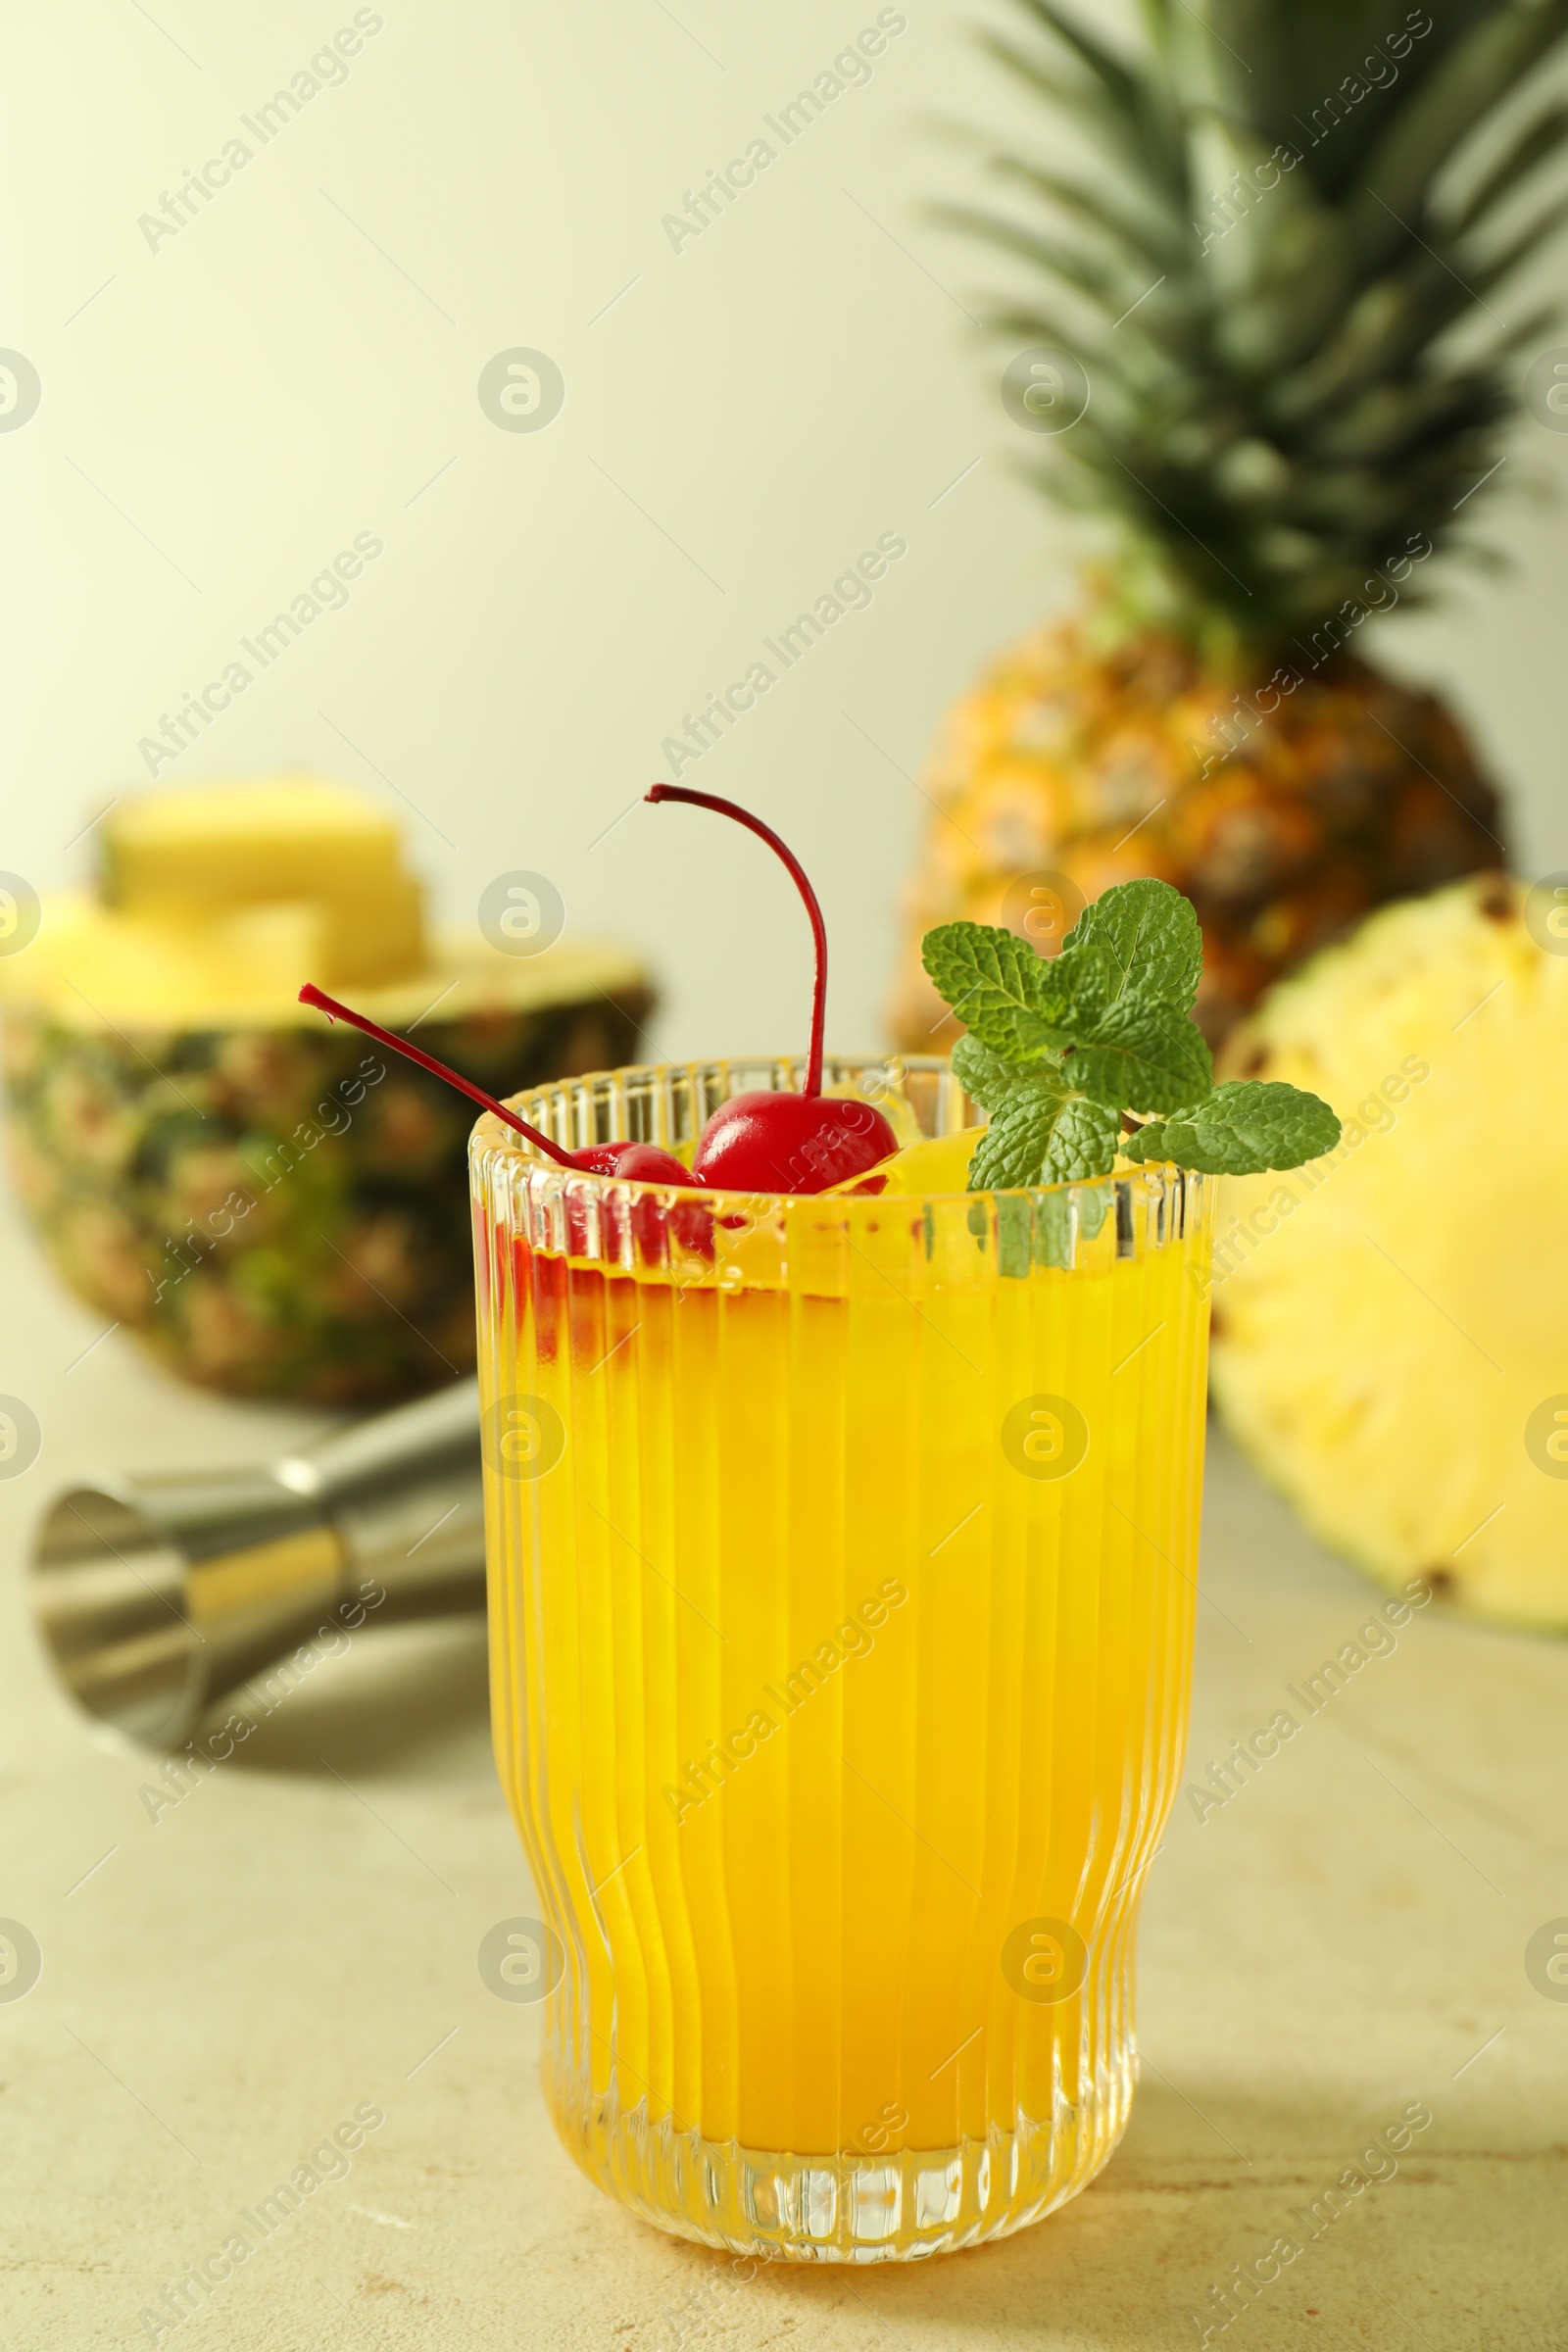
x=766, y=1142
x=644, y=1163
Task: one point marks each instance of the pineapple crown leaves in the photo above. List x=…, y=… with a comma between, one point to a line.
x=1058, y=1051
x=1280, y=215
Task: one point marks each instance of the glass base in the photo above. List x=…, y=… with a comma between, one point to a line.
x=849, y=2207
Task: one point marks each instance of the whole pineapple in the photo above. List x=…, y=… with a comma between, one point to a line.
x=1251, y=261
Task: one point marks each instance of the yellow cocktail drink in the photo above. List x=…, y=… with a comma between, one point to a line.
x=842, y=1588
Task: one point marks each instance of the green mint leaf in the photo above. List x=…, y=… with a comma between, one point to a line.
x=1083, y=1143
x=1245, y=1126
x=1083, y=985
x=1014, y=1239
x=1054, y=1230
x=985, y=1077
x=996, y=985
x=1094, y=1208
x=1145, y=936
x=1141, y=1054
x=1042, y=1134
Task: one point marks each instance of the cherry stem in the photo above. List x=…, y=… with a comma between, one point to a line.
x=309, y=994
x=754, y=824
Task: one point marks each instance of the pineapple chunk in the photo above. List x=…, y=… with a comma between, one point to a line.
x=891, y=1101
x=191, y=860
x=940, y=1164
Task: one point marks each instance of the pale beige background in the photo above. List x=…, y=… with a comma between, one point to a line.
x=229, y=411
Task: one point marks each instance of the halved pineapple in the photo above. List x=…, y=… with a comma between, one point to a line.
x=1390, y=1324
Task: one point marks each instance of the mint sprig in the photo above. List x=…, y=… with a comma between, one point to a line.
x=1057, y=1051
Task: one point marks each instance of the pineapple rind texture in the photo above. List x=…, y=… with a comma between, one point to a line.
x=277, y=1212
x=1284, y=827
x=1387, y=1321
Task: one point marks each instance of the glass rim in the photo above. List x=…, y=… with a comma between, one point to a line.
x=491, y=1135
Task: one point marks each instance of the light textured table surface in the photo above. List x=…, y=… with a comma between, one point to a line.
x=298, y=1937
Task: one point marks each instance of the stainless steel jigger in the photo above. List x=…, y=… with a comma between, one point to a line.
x=157, y=1595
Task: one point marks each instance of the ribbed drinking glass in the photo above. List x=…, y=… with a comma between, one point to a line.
x=842, y=1558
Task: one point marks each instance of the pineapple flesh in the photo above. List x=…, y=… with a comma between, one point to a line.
x=209, y=870
x=1388, y=1322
